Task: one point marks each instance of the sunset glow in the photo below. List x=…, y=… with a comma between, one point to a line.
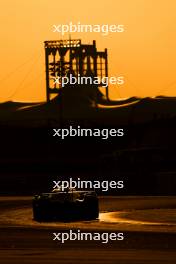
x=144, y=53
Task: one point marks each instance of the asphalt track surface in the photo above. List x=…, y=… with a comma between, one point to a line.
x=148, y=224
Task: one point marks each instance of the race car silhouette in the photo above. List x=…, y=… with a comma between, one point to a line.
x=65, y=205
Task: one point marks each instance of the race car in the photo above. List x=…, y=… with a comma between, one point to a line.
x=66, y=205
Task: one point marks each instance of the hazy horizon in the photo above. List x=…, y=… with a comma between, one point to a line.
x=144, y=54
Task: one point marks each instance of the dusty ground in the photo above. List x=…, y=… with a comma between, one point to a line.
x=148, y=224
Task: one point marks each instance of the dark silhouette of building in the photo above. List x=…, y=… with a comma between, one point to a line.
x=71, y=57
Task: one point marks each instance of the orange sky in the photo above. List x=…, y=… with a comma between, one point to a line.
x=145, y=53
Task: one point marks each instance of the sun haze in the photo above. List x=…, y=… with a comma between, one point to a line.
x=144, y=53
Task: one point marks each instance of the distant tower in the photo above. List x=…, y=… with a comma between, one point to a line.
x=70, y=56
